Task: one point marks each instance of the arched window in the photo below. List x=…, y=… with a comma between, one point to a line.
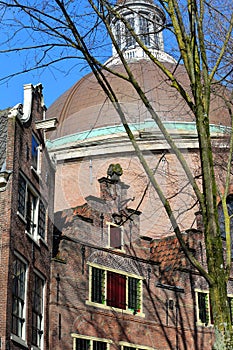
x=118, y=34
x=129, y=39
x=144, y=29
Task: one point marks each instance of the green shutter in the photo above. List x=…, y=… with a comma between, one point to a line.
x=97, y=285
x=134, y=294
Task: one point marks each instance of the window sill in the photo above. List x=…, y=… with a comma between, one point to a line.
x=116, y=249
x=43, y=241
x=21, y=217
x=19, y=340
x=37, y=173
x=106, y=307
x=200, y=324
x=34, y=347
x=32, y=238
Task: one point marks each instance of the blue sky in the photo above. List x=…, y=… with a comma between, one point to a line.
x=54, y=81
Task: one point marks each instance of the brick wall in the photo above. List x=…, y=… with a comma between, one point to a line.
x=14, y=239
x=167, y=319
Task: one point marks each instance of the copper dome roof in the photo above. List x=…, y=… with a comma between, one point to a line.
x=85, y=107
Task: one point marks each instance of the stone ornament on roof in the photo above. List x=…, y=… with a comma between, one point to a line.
x=114, y=172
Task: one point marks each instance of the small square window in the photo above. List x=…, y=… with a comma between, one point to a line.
x=115, y=236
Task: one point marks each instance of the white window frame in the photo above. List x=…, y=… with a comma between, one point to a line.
x=109, y=224
x=35, y=223
x=199, y=322
x=80, y=336
x=104, y=304
x=21, y=339
x=134, y=346
x=38, y=274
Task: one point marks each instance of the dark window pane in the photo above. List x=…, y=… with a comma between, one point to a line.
x=118, y=34
x=97, y=345
x=21, y=195
x=18, y=297
x=134, y=294
x=116, y=290
x=41, y=220
x=37, y=311
x=203, y=309
x=97, y=288
x=34, y=153
x=130, y=41
x=144, y=30
x=31, y=213
x=82, y=344
x=115, y=237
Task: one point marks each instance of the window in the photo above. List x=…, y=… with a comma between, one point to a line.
x=19, y=297
x=203, y=308
x=31, y=208
x=21, y=195
x=129, y=39
x=41, y=220
x=115, y=236
x=35, y=154
x=144, y=29
x=37, y=311
x=89, y=343
x=118, y=34
x=112, y=289
x=127, y=346
x=131, y=348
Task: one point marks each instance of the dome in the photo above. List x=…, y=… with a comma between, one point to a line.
x=85, y=107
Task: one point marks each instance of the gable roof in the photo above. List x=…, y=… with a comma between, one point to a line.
x=169, y=254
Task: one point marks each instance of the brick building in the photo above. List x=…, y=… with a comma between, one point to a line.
x=119, y=278
x=112, y=288
x=26, y=224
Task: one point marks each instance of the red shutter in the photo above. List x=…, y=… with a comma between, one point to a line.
x=116, y=290
x=115, y=237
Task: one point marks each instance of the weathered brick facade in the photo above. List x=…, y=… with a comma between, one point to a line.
x=167, y=317
x=20, y=242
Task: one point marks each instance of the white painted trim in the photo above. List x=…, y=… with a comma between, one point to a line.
x=81, y=336
x=198, y=322
x=137, y=346
x=19, y=340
